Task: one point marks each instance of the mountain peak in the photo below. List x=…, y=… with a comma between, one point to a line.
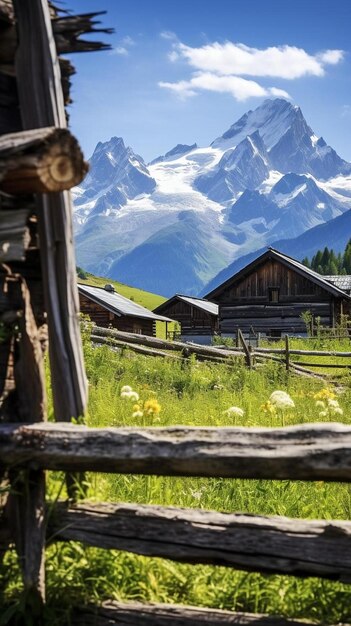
x=177, y=151
x=272, y=119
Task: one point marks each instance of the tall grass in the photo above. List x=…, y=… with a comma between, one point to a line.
x=194, y=394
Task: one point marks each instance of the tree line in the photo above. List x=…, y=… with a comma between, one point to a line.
x=328, y=263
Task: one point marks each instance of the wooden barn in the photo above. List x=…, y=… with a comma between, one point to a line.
x=270, y=294
x=106, y=308
x=198, y=318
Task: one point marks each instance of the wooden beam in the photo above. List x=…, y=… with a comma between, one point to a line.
x=41, y=105
x=138, y=614
x=116, y=343
x=246, y=348
x=253, y=543
x=14, y=235
x=40, y=161
x=67, y=31
x=155, y=342
x=304, y=452
x=140, y=349
x=26, y=502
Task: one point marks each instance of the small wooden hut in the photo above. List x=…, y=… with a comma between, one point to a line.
x=106, y=308
x=198, y=318
x=270, y=295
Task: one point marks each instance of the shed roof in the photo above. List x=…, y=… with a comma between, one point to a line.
x=199, y=303
x=342, y=282
x=328, y=284
x=117, y=304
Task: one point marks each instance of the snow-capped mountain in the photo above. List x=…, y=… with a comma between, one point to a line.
x=173, y=224
x=116, y=175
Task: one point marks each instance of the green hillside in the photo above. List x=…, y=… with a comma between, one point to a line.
x=145, y=298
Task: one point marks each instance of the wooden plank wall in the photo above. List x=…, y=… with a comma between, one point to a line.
x=247, y=304
x=104, y=318
x=192, y=320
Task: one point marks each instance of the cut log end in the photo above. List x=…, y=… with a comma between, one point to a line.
x=51, y=164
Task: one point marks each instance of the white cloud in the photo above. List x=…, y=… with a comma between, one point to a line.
x=127, y=41
x=221, y=67
x=120, y=50
x=168, y=34
x=240, y=88
x=123, y=46
x=183, y=88
x=230, y=58
x=331, y=57
x=173, y=56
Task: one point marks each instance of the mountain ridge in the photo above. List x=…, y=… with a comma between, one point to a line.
x=267, y=176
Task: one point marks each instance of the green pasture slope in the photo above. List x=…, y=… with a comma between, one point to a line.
x=144, y=298
x=193, y=394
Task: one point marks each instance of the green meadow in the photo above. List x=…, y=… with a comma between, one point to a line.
x=199, y=394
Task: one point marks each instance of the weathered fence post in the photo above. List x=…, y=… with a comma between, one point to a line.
x=26, y=503
x=248, y=355
x=287, y=354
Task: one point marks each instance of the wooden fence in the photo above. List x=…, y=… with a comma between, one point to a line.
x=251, y=356
x=268, y=544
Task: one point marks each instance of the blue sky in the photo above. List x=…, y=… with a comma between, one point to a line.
x=183, y=71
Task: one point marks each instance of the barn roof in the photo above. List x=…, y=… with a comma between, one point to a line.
x=330, y=283
x=342, y=282
x=199, y=303
x=117, y=304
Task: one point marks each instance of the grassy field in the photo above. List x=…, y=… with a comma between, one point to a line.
x=195, y=394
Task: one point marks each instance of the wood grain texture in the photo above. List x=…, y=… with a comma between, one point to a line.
x=155, y=342
x=26, y=502
x=137, y=614
x=14, y=235
x=305, y=452
x=41, y=103
x=40, y=161
x=67, y=31
x=253, y=543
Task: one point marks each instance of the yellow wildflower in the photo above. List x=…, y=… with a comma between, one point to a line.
x=152, y=406
x=269, y=408
x=324, y=394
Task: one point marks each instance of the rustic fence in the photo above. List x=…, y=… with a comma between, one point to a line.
x=262, y=544
x=251, y=356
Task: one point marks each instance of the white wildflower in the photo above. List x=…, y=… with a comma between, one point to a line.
x=130, y=395
x=281, y=400
x=137, y=414
x=323, y=414
x=126, y=389
x=333, y=404
x=337, y=411
x=234, y=411
x=133, y=395
x=320, y=404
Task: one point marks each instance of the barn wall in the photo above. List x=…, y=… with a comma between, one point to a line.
x=193, y=321
x=102, y=317
x=247, y=304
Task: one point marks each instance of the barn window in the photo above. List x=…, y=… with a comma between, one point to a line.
x=273, y=294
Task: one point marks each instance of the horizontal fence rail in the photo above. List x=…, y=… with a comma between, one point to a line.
x=153, y=346
x=137, y=614
x=253, y=543
x=319, y=451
